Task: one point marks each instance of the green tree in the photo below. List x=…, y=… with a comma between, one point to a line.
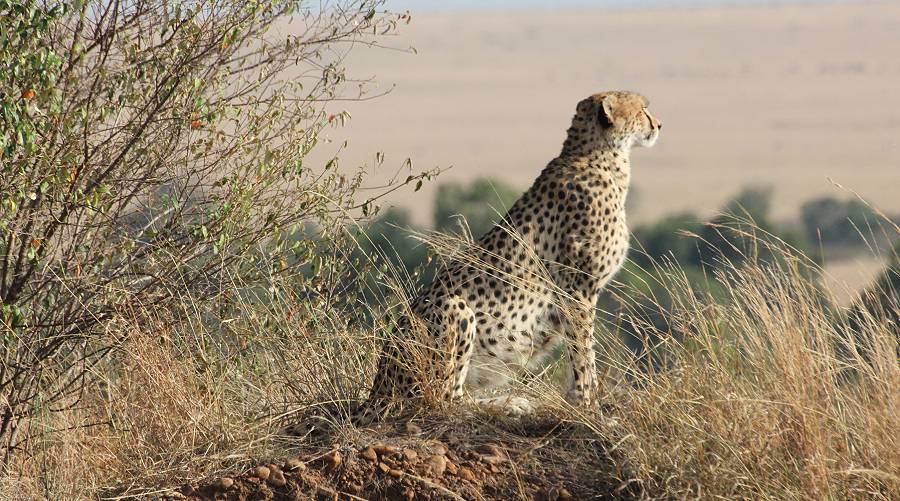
x=390, y=236
x=481, y=203
x=745, y=232
x=752, y=201
x=668, y=238
x=676, y=249
x=835, y=222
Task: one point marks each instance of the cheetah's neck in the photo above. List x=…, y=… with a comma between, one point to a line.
x=617, y=163
x=614, y=163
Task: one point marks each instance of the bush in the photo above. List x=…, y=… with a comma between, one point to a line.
x=153, y=160
x=482, y=203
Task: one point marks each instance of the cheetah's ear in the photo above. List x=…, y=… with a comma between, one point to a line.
x=605, y=111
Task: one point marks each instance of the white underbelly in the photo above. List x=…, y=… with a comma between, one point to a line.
x=505, y=347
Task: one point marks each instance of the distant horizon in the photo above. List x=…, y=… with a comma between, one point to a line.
x=510, y=5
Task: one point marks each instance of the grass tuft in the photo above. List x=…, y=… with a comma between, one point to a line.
x=767, y=392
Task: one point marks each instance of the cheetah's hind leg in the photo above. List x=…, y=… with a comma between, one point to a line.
x=384, y=387
x=453, y=328
x=460, y=321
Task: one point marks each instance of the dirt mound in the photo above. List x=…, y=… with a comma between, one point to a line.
x=409, y=466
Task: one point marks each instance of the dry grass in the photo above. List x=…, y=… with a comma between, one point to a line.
x=769, y=394
x=767, y=397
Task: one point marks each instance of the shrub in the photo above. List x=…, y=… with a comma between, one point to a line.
x=153, y=158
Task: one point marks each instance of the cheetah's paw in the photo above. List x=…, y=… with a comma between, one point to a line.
x=510, y=405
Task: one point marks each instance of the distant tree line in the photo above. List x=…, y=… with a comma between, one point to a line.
x=742, y=232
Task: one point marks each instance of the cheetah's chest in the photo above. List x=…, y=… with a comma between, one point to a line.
x=616, y=251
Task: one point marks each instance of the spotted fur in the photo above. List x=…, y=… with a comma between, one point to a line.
x=531, y=282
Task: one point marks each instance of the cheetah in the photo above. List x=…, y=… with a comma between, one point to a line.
x=502, y=305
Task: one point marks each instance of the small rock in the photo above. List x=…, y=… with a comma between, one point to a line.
x=437, y=448
x=395, y=473
x=412, y=429
x=325, y=492
x=383, y=449
x=489, y=450
x=223, y=483
x=466, y=474
x=294, y=464
x=438, y=464
x=452, y=468
x=410, y=454
x=273, y=467
x=261, y=472
x=492, y=460
x=556, y=494
x=333, y=459
x=369, y=453
x=354, y=488
x=277, y=478
x=409, y=493
x=384, y=468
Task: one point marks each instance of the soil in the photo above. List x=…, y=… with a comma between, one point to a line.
x=539, y=464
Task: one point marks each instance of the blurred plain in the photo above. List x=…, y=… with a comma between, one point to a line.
x=782, y=95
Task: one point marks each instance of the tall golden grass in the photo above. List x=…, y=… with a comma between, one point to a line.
x=767, y=393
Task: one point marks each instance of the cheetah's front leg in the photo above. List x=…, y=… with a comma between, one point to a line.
x=460, y=322
x=579, y=329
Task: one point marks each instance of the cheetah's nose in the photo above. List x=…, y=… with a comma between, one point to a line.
x=658, y=125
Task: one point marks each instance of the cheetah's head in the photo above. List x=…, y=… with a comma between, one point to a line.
x=614, y=118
